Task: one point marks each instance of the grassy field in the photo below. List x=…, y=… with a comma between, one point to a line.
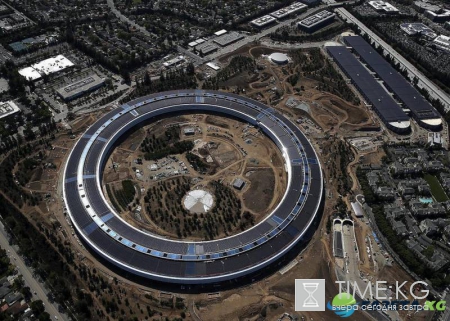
x=436, y=188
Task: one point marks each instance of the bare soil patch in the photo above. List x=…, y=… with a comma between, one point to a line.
x=133, y=141
x=224, y=154
x=355, y=115
x=261, y=191
x=216, y=121
x=222, y=144
x=82, y=123
x=37, y=175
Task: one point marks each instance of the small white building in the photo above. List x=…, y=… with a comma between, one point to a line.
x=357, y=208
x=442, y=42
x=263, y=21
x=189, y=131
x=213, y=66
x=383, y=7
x=173, y=62
x=8, y=108
x=220, y=32
x=286, y=11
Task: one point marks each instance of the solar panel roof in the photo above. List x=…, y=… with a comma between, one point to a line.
x=376, y=95
x=395, y=82
x=132, y=249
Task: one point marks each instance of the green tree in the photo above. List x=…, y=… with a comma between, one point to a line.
x=429, y=251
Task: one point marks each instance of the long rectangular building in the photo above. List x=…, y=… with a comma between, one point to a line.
x=384, y=7
x=421, y=109
x=383, y=104
x=317, y=21
x=80, y=87
x=206, y=48
x=441, y=15
x=443, y=42
x=263, y=21
x=228, y=38
x=286, y=11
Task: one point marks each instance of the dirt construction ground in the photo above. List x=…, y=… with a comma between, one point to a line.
x=229, y=148
x=268, y=299
x=275, y=295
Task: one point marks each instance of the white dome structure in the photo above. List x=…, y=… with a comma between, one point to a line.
x=279, y=58
x=198, y=201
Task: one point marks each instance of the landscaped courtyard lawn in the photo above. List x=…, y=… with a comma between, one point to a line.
x=436, y=188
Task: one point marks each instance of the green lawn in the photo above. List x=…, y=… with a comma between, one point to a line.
x=436, y=188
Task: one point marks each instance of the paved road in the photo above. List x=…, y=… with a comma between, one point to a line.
x=263, y=33
x=62, y=116
x=375, y=315
x=35, y=286
x=424, y=82
x=352, y=260
x=123, y=18
x=197, y=60
x=351, y=256
x=115, y=102
x=289, y=46
x=352, y=272
x=194, y=315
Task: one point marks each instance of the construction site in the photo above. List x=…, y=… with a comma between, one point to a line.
x=224, y=151
x=233, y=159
